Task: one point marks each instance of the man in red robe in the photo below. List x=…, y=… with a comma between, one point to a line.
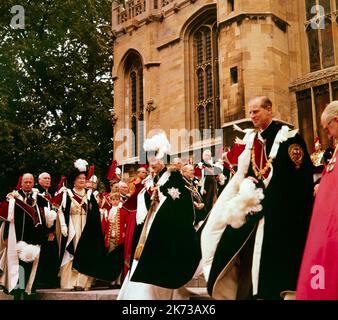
x=318, y=277
x=133, y=231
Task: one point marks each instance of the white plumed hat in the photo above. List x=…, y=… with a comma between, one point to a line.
x=81, y=165
x=158, y=143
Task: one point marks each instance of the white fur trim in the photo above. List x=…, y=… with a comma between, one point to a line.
x=27, y=252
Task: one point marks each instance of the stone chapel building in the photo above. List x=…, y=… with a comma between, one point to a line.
x=194, y=64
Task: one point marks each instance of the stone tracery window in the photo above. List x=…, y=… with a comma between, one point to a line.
x=205, y=66
x=311, y=103
x=134, y=82
x=320, y=37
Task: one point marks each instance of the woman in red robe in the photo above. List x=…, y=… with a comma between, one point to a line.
x=318, y=277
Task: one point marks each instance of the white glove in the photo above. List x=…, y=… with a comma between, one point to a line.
x=64, y=230
x=62, y=189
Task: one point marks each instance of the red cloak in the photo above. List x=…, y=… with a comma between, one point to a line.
x=318, y=277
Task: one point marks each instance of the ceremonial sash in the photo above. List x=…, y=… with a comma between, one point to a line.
x=29, y=210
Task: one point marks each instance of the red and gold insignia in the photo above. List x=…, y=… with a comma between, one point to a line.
x=51, y=236
x=296, y=154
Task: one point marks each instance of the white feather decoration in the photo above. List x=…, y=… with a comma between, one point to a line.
x=118, y=171
x=159, y=143
x=81, y=165
x=27, y=252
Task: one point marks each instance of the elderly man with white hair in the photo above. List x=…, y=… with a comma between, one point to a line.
x=188, y=173
x=44, y=180
x=124, y=191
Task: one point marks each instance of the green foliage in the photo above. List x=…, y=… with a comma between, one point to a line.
x=55, y=87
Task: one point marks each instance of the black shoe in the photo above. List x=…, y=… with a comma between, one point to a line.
x=115, y=286
x=76, y=288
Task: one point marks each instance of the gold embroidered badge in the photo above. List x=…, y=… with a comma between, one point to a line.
x=296, y=154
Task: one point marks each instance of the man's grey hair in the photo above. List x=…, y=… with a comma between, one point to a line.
x=41, y=175
x=26, y=175
x=187, y=167
x=122, y=183
x=264, y=101
x=330, y=112
x=177, y=161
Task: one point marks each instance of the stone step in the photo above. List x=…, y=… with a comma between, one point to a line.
x=196, y=293
x=4, y=296
x=197, y=282
x=199, y=293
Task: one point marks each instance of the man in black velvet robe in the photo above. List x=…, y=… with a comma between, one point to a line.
x=28, y=232
x=168, y=251
x=49, y=262
x=261, y=259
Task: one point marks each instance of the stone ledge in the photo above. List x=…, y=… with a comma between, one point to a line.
x=58, y=294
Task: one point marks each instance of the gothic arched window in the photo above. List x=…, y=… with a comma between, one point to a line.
x=134, y=82
x=205, y=66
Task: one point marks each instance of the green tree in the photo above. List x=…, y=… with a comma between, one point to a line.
x=55, y=87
